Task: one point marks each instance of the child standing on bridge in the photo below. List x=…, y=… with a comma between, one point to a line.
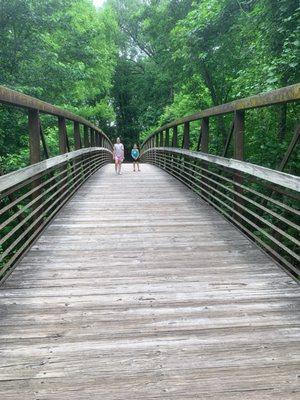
x=135, y=154
x=118, y=155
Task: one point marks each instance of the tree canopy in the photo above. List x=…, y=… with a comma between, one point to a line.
x=135, y=64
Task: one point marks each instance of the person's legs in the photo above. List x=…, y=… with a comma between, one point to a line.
x=119, y=167
x=116, y=165
x=134, y=165
x=138, y=165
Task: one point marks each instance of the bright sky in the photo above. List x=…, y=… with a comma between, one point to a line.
x=98, y=3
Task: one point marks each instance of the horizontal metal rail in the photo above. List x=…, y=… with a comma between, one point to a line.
x=238, y=191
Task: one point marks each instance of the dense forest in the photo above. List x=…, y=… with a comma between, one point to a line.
x=133, y=65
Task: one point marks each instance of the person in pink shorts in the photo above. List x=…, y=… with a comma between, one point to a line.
x=118, y=155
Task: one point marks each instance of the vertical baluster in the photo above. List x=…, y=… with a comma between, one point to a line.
x=175, y=136
x=97, y=139
x=77, y=139
x=86, y=144
x=238, y=131
x=161, y=139
x=34, y=136
x=204, y=135
x=167, y=139
x=92, y=138
x=152, y=156
x=63, y=145
x=185, y=145
x=186, y=136
x=77, y=145
x=156, y=145
x=86, y=136
x=62, y=135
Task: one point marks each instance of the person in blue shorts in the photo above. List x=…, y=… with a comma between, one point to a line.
x=135, y=154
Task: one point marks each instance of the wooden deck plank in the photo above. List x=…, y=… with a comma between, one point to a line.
x=140, y=290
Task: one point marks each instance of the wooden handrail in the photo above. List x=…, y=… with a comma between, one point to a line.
x=14, y=178
x=282, y=95
x=92, y=134
x=21, y=100
x=279, y=178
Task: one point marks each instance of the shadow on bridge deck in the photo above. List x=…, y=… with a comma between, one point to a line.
x=139, y=290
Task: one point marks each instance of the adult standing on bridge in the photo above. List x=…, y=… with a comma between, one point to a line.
x=118, y=155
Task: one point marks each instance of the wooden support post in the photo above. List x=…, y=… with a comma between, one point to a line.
x=185, y=145
x=174, y=143
x=86, y=141
x=204, y=135
x=92, y=138
x=77, y=139
x=63, y=143
x=167, y=138
x=97, y=139
x=186, y=136
x=161, y=139
x=34, y=136
x=175, y=137
x=62, y=135
x=238, y=131
x=156, y=140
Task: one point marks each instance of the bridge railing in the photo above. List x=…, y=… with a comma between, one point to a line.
x=263, y=203
x=31, y=196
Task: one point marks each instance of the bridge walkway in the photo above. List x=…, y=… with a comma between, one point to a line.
x=140, y=290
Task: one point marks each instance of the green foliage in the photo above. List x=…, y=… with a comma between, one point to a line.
x=62, y=51
x=137, y=64
x=181, y=56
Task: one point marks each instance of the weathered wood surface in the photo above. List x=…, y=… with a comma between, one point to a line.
x=139, y=290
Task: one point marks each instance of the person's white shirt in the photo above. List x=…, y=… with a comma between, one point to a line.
x=119, y=149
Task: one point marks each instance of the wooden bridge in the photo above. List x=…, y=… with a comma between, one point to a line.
x=176, y=282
